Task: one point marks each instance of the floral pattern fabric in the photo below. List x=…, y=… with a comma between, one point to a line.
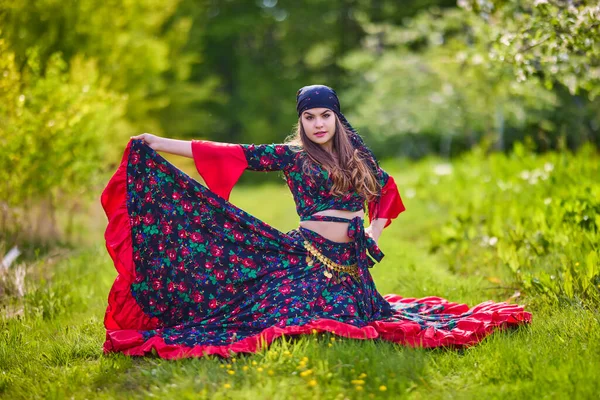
x=198, y=275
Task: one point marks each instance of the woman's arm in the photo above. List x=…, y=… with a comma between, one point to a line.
x=173, y=146
x=376, y=228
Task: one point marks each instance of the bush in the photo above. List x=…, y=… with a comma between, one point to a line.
x=536, y=218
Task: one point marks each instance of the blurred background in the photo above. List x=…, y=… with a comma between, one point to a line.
x=416, y=77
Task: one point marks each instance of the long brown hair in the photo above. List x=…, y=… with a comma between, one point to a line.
x=345, y=164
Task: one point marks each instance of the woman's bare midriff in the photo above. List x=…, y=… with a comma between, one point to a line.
x=334, y=231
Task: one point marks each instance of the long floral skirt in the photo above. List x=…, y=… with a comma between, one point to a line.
x=198, y=275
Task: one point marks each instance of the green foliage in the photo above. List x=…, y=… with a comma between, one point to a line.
x=534, y=218
x=454, y=73
x=78, y=78
x=55, y=128
x=555, y=39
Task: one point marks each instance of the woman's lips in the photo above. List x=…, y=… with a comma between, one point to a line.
x=320, y=134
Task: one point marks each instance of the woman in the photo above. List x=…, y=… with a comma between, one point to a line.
x=198, y=275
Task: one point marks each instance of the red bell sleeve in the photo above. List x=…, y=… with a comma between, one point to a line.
x=389, y=204
x=219, y=164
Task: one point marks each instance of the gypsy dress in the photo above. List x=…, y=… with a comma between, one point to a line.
x=198, y=275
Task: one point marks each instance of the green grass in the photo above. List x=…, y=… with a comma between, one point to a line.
x=54, y=349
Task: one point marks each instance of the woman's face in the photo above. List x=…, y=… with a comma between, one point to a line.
x=319, y=125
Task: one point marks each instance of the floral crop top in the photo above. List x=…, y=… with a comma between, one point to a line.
x=221, y=165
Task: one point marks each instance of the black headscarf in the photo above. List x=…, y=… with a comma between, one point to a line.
x=321, y=96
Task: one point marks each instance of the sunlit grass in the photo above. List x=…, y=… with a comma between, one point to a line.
x=54, y=349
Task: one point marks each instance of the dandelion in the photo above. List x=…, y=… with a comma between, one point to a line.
x=259, y=369
x=271, y=372
x=227, y=386
x=245, y=368
x=333, y=339
x=362, y=376
x=254, y=363
x=312, y=382
x=233, y=360
x=359, y=388
x=231, y=372
x=314, y=331
x=329, y=345
x=305, y=359
x=382, y=388
x=357, y=382
x=287, y=353
x=221, y=366
x=306, y=373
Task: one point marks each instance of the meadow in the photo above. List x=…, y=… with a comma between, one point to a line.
x=521, y=228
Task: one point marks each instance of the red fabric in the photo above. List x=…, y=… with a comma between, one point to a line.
x=125, y=319
x=219, y=164
x=485, y=318
x=123, y=312
x=389, y=204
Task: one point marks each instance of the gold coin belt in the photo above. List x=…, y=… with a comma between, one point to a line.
x=351, y=270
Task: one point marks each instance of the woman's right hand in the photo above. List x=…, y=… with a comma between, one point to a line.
x=151, y=140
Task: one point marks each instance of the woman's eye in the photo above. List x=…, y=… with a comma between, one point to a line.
x=309, y=118
x=326, y=115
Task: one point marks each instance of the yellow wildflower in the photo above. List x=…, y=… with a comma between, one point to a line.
x=254, y=363
x=312, y=382
x=305, y=359
x=271, y=372
x=306, y=373
x=227, y=386
x=382, y=388
x=221, y=366
x=259, y=369
x=357, y=382
x=329, y=345
x=333, y=339
x=231, y=372
x=233, y=360
x=287, y=353
x=245, y=368
x=314, y=331
x=359, y=388
x=362, y=376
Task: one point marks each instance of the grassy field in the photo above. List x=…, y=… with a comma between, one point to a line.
x=51, y=340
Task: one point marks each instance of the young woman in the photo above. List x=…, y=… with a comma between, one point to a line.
x=198, y=275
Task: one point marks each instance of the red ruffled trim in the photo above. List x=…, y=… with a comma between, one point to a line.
x=219, y=164
x=125, y=319
x=132, y=343
x=123, y=311
x=389, y=205
x=483, y=320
